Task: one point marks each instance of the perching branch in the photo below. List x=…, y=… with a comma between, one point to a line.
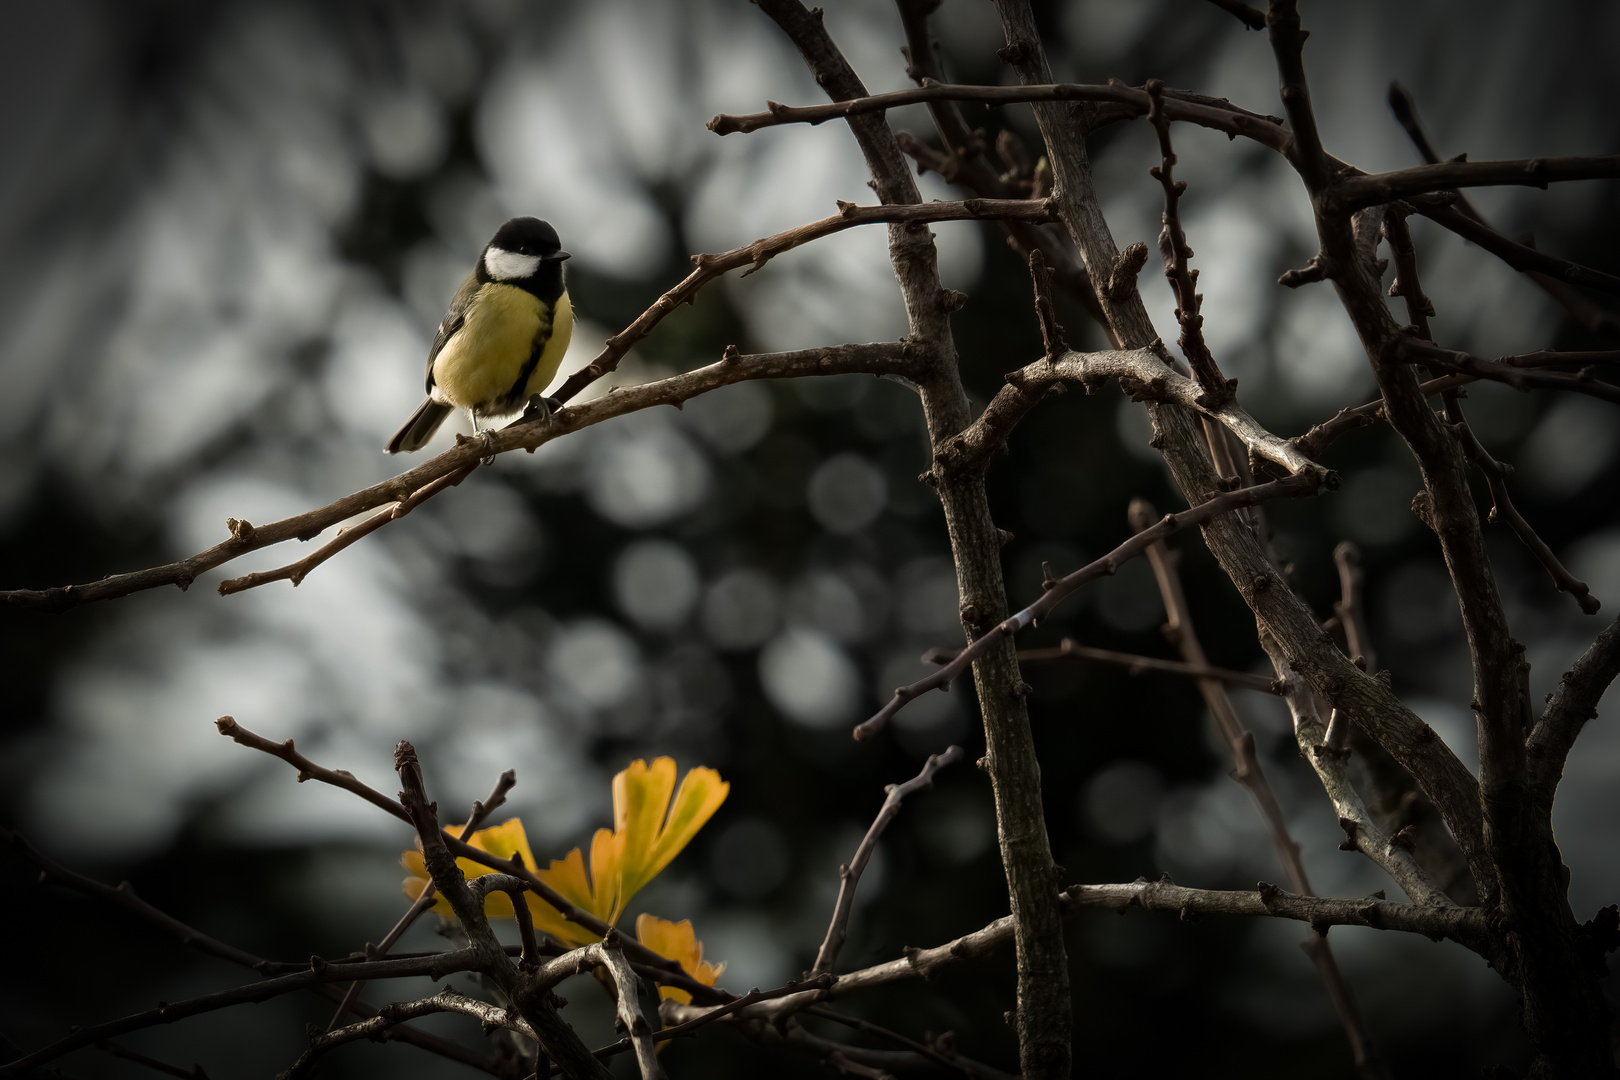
x=849, y=877
x=879, y=359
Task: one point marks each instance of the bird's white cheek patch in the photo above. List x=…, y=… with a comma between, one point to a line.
x=509, y=265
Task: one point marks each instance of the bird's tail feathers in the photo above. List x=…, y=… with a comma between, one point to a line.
x=420, y=427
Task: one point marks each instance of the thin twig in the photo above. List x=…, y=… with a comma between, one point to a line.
x=297, y=571
x=436, y=966
x=1352, y=616
x=194, y=1073
x=849, y=877
x=1351, y=193
x=1069, y=649
x=1179, y=105
x=1173, y=246
x=1286, y=488
x=1179, y=629
x=1583, y=382
x=1579, y=307
x=391, y=1016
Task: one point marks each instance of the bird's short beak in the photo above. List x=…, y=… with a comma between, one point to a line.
x=558, y=256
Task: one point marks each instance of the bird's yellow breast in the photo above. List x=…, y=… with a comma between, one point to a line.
x=479, y=365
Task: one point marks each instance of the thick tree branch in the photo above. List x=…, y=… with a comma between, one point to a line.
x=1044, y=1008
x=1362, y=832
x=1521, y=876
x=1278, y=608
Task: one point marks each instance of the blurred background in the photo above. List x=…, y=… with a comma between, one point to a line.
x=227, y=232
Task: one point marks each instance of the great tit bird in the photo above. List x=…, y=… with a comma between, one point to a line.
x=504, y=336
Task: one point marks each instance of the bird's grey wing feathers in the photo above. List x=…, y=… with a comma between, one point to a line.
x=453, y=320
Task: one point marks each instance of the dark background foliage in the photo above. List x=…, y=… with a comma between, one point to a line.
x=228, y=230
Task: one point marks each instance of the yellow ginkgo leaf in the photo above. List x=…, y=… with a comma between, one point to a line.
x=651, y=828
x=678, y=942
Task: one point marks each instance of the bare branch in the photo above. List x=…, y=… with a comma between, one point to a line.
x=1069, y=649
x=1194, y=109
x=1464, y=925
x=1217, y=389
x=534, y=1005
x=1354, y=192
x=1520, y=257
x=1519, y=378
x=480, y=813
x=1248, y=16
x=1362, y=832
x=879, y=359
x=1179, y=629
x=1144, y=375
x=1044, y=1009
x=1579, y=307
x=435, y=966
x=155, y=1064
x=1289, y=487
x=760, y=252
x=296, y=572
x=849, y=877
x=609, y=954
x=390, y=1017
x=1569, y=707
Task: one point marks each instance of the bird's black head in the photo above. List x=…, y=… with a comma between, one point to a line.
x=522, y=249
x=528, y=236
